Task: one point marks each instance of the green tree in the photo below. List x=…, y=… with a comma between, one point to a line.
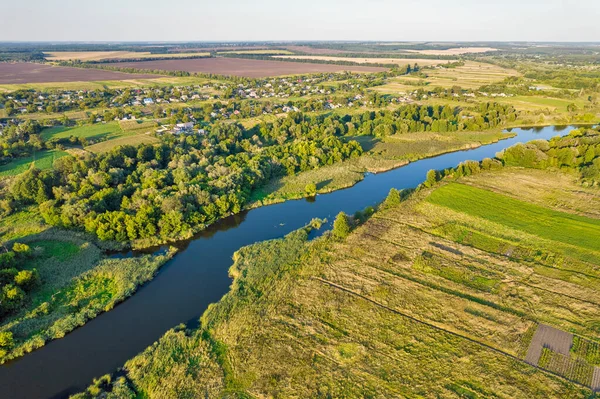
x=392, y=200
x=311, y=189
x=432, y=178
x=341, y=226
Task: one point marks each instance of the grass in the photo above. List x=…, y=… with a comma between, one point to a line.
x=98, y=131
x=107, y=136
x=41, y=160
x=472, y=75
x=141, y=138
x=257, y=52
x=112, y=84
x=530, y=218
x=404, y=307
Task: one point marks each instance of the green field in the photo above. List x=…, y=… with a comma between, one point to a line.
x=136, y=139
x=42, y=160
x=104, y=137
x=91, y=132
x=543, y=222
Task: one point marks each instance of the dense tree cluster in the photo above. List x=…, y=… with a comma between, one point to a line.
x=580, y=150
x=169, y=189
x=19, y=140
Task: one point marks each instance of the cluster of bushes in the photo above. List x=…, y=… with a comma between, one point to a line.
x=15, y=283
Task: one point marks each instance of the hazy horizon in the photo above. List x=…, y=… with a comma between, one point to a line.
x=311, y=20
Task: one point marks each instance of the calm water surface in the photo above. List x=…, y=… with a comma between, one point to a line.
x=197, y=276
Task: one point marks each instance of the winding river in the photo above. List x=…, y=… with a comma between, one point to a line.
x=197, y=276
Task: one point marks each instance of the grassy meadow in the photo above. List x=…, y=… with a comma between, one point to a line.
x=103, y=137
x=438, y=296
x=77, y=281
x=41, y=160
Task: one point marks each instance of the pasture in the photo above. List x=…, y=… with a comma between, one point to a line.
x=137, y=139
x=91, y=132
x=257, y=52
x=244, y=67
x=416, y=302
x=103, y=84
x=26, y=72
x=530, y=218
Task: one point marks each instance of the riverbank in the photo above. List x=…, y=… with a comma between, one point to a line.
x=76, y=281
x=439, y=295
x=379, y=156
x=197, y=277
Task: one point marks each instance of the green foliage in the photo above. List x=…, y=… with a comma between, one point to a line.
x=311, y=189
x=341, y=225
x=431, y=179
x=393, y=199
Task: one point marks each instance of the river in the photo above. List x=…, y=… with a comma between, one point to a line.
x=197, y=276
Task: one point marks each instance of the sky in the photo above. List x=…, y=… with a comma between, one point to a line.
x=288, y=20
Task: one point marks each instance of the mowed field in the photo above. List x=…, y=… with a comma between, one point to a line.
x=113, y=55
x=367, y=60
x=244, y=67
x=26, y=72
x=472, y=75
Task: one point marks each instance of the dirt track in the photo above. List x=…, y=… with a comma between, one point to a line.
x=26, y=72
x=243, y=67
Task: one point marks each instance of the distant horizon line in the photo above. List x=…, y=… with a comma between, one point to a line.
x=430, y=42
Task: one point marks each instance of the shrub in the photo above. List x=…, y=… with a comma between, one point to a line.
x=311, y=189
x=341, y=226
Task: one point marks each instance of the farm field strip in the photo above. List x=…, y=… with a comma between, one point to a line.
x=243, y=67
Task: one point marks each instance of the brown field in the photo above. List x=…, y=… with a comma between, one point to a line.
x=244, y=67
x=455, y=51
x=25, y=72
x=113, y=55
x=366, y=60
